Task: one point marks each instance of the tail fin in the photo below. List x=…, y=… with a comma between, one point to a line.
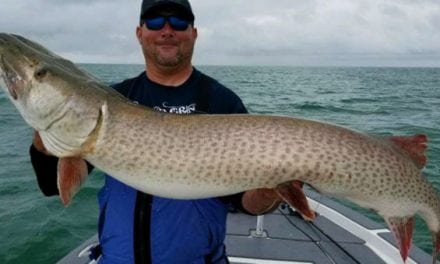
x=414, y=147
x=402, y=228
x=435, y=246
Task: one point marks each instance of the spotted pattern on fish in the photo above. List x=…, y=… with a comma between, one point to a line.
x=226, y=154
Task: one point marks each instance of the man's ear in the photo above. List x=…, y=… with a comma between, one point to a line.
x=195, y=33
x=139, y=34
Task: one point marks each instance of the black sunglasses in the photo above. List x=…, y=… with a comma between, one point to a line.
x=158, y=22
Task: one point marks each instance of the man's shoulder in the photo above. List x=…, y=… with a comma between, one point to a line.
x=222, y=99
x=124, y=86
x=214, y=85
x=216, y=89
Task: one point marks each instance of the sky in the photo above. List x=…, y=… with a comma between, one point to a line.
x=403, y=33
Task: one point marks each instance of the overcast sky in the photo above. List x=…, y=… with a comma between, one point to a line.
x=243, y=32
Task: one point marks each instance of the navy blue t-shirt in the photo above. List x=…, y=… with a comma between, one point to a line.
x=181, y=99
x=181, y=231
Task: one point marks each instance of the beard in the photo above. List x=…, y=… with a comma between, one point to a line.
x=168, y=61
x=170, y=58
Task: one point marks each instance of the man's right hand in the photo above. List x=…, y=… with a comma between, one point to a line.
x=38, y=144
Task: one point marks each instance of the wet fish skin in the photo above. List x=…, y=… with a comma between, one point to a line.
x=199, y=156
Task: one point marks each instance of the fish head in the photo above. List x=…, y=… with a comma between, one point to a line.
x=37, y=81
x=56, y=98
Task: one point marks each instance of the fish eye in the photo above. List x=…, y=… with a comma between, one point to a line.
x=40, y=73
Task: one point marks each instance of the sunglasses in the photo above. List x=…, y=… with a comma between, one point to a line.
x=176, y=23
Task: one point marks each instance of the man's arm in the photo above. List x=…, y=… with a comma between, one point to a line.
x=45, y=167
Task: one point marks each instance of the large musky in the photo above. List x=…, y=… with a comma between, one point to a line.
x=243, y=32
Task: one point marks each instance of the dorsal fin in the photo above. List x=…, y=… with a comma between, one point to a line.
x=414, y=147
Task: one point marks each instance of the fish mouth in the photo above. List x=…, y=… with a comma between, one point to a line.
x=11, y=78
x=13, y=68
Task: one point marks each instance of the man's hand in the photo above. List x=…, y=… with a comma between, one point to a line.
x=260, y=201
x=38, y=144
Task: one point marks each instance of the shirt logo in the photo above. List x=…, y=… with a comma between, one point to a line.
x=181, y=110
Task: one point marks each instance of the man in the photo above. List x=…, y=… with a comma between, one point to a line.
x=135, y=227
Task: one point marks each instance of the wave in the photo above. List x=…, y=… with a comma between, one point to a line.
x=326, y=108
x=358, y=100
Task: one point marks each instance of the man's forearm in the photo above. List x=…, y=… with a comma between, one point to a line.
x=45, y=168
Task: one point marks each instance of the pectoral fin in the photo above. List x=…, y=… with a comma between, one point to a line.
x=402, y=228
x=293, y=194
x=71, y=174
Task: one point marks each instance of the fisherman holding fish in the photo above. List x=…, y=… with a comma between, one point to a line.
x=135, y=227
x=196, y=156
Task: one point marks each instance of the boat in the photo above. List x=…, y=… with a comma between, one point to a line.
x=339, y=234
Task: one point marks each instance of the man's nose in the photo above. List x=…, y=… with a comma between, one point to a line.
x=167, y=30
